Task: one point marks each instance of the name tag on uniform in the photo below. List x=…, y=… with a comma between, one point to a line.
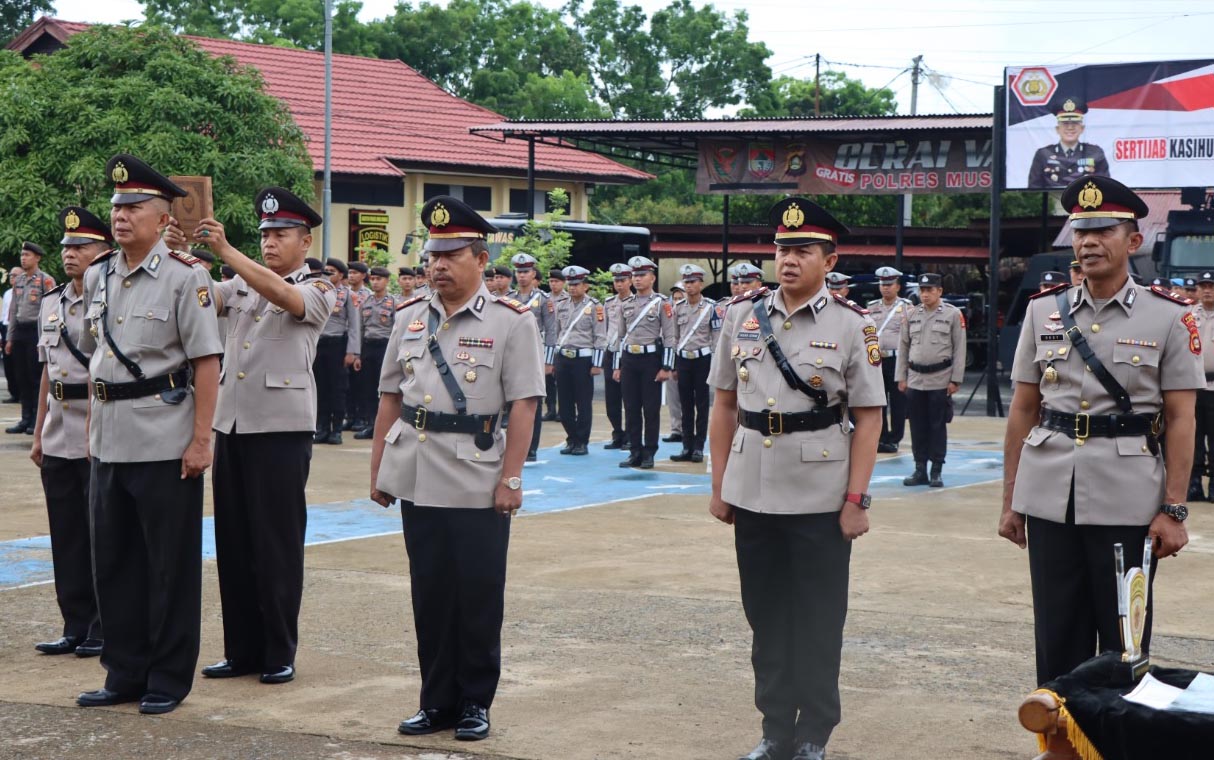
x=1051, y=336
x=748, y=336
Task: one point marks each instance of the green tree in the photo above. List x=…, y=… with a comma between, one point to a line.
x=143, y=91
x=16, y=15
x=541, y=238
x=838, y=95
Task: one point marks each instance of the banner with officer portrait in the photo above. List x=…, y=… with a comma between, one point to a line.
x=1147, y=125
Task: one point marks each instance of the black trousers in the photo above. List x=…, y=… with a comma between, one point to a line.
x=66, y=485
x=261, y=514
x=367, y=379
x=928, y=411
x=642, y=400
x=9, y=371
x=331, y=377
x=693, y=394
x=575, y=389
x=537, y=425
x=613, y=396
x=147, y=551
x=893, y=416
x=794, y=573
x=457, y=574
x=1204, y=445
x=1074, y=595
x=27, y=372
x=550, y=392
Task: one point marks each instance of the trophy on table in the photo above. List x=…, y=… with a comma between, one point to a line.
x=1133, y=590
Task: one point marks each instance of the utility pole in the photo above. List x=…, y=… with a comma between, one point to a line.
x=916, y=73
x=817, y=86
x=327, y=192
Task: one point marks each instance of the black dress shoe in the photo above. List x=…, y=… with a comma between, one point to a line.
x=916, y=478
x=104, y=697
x=682, y=456
x=615, y=444
x=767, y=750
x=809, y=751
x=633, y=460
x=646, y=462
x=531, y=457
x=580, y=450
x=697, y=456
x=320, y=436
x=887, y=448
x=64, y=645
x=334, y=438
x=549, y=416
x=16, y=429
x=348, y=425
x=364, y=435
x=674, y=438
x=568, y=449
x=284, y=674
x=11, y=400
x=427, y=722
x=90, y=647
x=226, y=669
x=157, y=704
x=473, y=723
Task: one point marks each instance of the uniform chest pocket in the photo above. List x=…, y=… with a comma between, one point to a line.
x=1056, y=354
x=916, y=332
x=748, y=363
x=49, y=336
x=274, y=323
x=148, y=325
x=939, y=332
x=820, y=368
x=1137, y=367
x=474, y=371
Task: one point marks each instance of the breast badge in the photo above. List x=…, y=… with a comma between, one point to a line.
x=1050, y=374
x=416, y=326
x=743, y=374
x=470, y=376
x=815, y=381
x=751, y=324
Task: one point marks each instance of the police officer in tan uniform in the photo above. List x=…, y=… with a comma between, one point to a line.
x=154, y=375
x=356, y=417
x=1203, y=451
x=60, y=436
x=931, y=366
x=889, y=313
x=454, y=361
x=696, y=326
x=339, y=349
x=644, y=359
x=1099, y=370
x=378, y=314
x=621, y=283
x=581, y=337
x=22, y=343
x=263, y=434
x=791, y=475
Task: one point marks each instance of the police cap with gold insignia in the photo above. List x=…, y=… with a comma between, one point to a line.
x=81, y=227
x=1070, y=111
x=453, y=224
x=799, y=221
x=1054, y=278
x=620, y=271
x=1096, y=202
x=575, y=274
x=692, y=272
x=279, y=207
x=135, y=181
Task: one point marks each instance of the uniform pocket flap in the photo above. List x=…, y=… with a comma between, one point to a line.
x=465, y=449
x=288, y=380
x=1138, y=356
x=159, y=313
x=1053, y=352
x=817, y=359
x=824, y=449
x=394, y=432
x=472, y=357
x=1038, y=436
x=939, y=326
x=738, y=437
x=1133, y=446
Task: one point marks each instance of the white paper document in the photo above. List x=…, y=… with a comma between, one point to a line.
x=1153, y=693
x=1198, y=697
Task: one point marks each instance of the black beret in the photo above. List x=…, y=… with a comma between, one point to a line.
x=228, y=271
x=338, y=264
x=360, y=266
x=316, y=265
x=556, y=274
x=405, y=272
x=32, y=248
x=380, y=272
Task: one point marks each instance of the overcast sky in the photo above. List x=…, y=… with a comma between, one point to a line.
x=965, y=43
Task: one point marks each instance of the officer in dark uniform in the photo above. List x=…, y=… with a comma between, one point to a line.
x=357, y=418
x=1058, y=165
x=378, y=313
x=22, y=343
x=154, y=375
x=556, y=290
x=340, y=347
x=61, y=437
x=621, y=282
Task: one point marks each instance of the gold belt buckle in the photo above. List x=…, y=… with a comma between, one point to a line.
x=99, y=391
x=419, y=419
x=772, y=427
x=635, y=349
x=1083, y=426
x=57, y=390
x=570, y=353
x=1157, y=424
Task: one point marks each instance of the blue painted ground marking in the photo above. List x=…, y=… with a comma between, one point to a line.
x=554, y=484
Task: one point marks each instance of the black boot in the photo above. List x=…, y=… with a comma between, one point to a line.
x=322, y=432
x=646, y=462
x=697, y=456
x=917, y=478
x=682, y=456
x=617, y=442
x=21, y=427
x=633, y=460
x=935, y=481
x=568, y=449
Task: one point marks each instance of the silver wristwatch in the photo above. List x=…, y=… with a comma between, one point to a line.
x=513, y=484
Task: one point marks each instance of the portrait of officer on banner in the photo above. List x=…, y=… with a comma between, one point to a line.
x=1059, y=164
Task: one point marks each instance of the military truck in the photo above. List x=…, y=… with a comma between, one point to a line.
x=1186, y=248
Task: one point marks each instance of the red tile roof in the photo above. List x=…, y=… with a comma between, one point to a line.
x=385, y=113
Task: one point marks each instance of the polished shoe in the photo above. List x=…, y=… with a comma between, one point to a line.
x=11, y=400
x=157, y=704
x=580, y=450
x=226, y=669
x=935, y=481
x=284, y=674
x=473, y=724
x=16, y=429
x=29, y=430
x=646, y=462
x=697, y=456
x=549, y=416
x=532, y=456
x=674, y=438
x=334, y=438
x=90, y=647
x=767, y=750
x=916, y=478
x=632, y=461
x=568, y=449
x=427, y=722
x=365, y=434
x=616, y=443
x=104, y=697
x=348, y=424
x=887, y=448
x=321, y=435
x=64, y=645
x=1195, y=490
x=809, y=751
x=682, y=456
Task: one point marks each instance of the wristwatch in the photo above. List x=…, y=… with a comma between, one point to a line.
x=513, y=483
x=1177, y=512
x=861, y=500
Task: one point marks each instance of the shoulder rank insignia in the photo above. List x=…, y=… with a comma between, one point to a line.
x=56, y=289
x=515, y=304
x=186, y=258
x=1168, y=295
x=1051, y=291
x=753, y=295
x=323, y=285
x=850, y=304
x=103, y=257
x=410, y=302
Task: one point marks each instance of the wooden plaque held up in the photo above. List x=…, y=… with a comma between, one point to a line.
x=195, y=206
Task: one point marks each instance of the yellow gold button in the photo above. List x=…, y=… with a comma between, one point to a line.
x=818, y=360
x=64, y=373
x=257, y=318
x=472, y=360
x=65, y=406
x=1089, y=369
x=287, y=381
x=1062, y=352
x=1079, y=441
x=1135, y=359
x=408, y=354
x=1049, y=353
x=1085, y=404
x=825, y=453
x=1145, y=449
x=247, y=344
x=788, y=325
x=446, y=325
x=427, y=398
x=126, y=283
x=109, y=354
x=240, y=376
x=421, y=437
x=767, y=442
x=476, y=455
x=1095, y=327
x=120, y=320
x=771, y=402
x=72, y=311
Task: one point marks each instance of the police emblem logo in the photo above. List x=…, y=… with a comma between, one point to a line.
x=793, y=216
x=815, y=381
x=1090, y=196
x=1069, y=105
x=463, y=356
x=119, y=173
x=470, y=376
x=743, y=374
x=269, y=205
x=750, y=324
x=1050, y=374
x=204, y=296
x=71, y=221
x=440, y=216
x=874, y=355
x=416, y=326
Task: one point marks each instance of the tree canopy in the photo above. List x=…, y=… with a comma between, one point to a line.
x=146, y=92
x=15, y=15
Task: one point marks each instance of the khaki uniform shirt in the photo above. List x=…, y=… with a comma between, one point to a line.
x=267, y=384
x=161, y=316
x=64, y=432
x=378, y=315
x=588, y=318
x=825, y=341
x=494, y=354
x=889, y=320
x=28, y=290
x=344, y=319
x=696, y=327
x=1205, y=324
x=929, y=339
x=655, y=328
x=1142, y=339
x=543, y=307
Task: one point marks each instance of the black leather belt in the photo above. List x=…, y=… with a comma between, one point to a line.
x=332, y=338
x=375, y=341
x=1081, y=426
x=104, y=391
x=775, y=423
x=61, y=391
x=422, y=418
x=1209, y=377
x=927, y=369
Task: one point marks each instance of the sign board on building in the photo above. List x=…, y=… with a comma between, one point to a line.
x=368, y=231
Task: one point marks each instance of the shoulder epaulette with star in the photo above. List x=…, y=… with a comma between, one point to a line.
x=56, y=289
x=103, y=257
x=411, y=301
x=1170, y=296
x=1050, y=291
x=515, y=305
x=843, y=301
x=753, y=295
x=186, y=258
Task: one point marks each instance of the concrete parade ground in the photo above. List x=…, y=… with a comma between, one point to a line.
x=624, y=634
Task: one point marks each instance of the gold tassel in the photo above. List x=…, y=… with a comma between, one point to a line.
x=1074, y=734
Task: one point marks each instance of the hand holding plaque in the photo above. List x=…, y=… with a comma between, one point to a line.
x=197, y=204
